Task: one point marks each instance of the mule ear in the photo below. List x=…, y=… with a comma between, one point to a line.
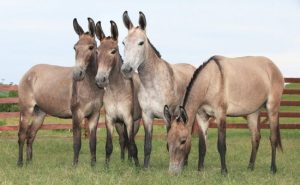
x=183, y=114
x=167, y=114
x=92, y=27
x=114, y=30
x=77, y=27
x=126, y=20
x=142, y=21
x=99, y=32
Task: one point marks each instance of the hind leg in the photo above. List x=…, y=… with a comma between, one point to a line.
x=122, y=139
x=23, y=126
x=273, y=108
x=203, y=122
x=37, y=121
x=255, y=137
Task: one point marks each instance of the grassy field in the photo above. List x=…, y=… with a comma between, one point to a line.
x=53, y=158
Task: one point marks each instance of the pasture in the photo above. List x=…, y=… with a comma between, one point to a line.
x=52, y=161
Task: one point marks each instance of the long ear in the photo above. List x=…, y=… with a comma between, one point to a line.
x=99, y=32
x=183, y=114
x=142, y=20
x=92, y=26
x=167, y=114
x=126, y=20
x=77, y=27
x=114, y=30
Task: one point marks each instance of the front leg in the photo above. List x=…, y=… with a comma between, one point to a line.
x=109, y=144
x=148, y=139
x=133, y=152
x=76, y=119
x=93, y=123
x=203, y=123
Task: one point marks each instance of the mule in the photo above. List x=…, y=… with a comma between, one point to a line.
x=161, y=83
x=226, y=87
x=120, y=97
x=64, y=92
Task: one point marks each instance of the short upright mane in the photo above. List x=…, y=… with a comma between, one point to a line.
x=155, y=50
x=193, y=79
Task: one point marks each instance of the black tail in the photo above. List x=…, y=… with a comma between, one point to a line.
x=278, y=144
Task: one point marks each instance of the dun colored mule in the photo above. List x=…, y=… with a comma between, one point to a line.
x=120, y=97
x=64, y=92
x=161, y=83
x=226, y=87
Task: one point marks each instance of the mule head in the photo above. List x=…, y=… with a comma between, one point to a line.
x=135, y=44
x=178, y=139
x=85, y=49
x=107, y=53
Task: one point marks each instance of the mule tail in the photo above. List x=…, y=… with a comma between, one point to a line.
x=278, y=144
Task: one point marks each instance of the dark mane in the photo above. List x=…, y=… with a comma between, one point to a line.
x=155, y=50
x=193, y=79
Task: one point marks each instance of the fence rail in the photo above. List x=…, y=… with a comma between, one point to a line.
x=262, y=124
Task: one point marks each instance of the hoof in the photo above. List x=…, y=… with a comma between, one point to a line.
x=251, y=167
x=136, y=162
x=224, y=172
x=201, y=168
x=20, y=163
x=93, y=163
x=273, y=169
x=75, y=164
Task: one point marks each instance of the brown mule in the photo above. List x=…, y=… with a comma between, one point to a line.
x=64, y=92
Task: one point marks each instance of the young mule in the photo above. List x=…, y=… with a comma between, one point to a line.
x=120, y=98
x=227, y=87
x=161, y=82
x=64, y=92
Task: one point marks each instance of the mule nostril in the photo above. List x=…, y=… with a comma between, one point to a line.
x=80, y=73
x=103, y=79
x=130, y=69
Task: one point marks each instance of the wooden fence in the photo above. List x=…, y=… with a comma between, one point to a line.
x=262, y=118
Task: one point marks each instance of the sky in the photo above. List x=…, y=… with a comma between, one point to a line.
x=35, y=31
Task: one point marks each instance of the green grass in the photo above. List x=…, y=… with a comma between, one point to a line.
x=53, y=158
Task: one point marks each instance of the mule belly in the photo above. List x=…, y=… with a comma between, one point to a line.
x=244, y=107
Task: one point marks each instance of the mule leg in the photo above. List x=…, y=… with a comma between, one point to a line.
x=37, y=121
x=122, y=139
x=76, y=119
x=273, y=108
x=109, y=144
x=222, y=143
x=93, y=123
x=148, y=139
x=130, y=135
x=255, y=137
x=203, y=122
x=23, y=126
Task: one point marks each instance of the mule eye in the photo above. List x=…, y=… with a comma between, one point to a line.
x=74, y=48
x=113, y=51
x=141, y=43
x=182, y=142
x=91, y=47
x=123, y=43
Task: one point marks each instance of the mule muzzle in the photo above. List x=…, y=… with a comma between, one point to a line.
x=78, y=74
x=175, y=168
x=102, y=81
x=127, y=71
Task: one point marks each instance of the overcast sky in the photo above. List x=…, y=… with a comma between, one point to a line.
x=34, y=32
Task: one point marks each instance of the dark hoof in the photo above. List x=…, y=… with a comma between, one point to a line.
x=136, y=162
x=224, y=172
x=251, y=167
x=273, y=169
x=75, y=163
x=201, y=168
x=20, y=163
x=93, y=163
